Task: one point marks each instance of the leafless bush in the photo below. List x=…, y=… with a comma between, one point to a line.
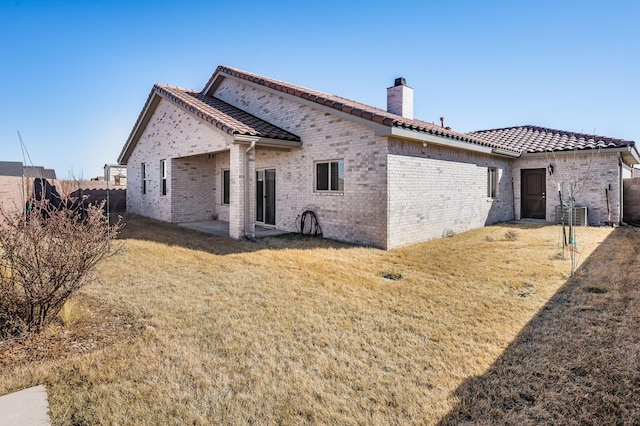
x=46, y=255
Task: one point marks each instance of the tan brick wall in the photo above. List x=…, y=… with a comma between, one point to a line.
x=436, y=191
x=632, y=200
x=602, y=170
x=12, y=196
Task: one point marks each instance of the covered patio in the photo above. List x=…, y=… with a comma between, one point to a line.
x=221, y=228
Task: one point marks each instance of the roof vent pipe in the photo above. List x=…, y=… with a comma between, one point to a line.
x=400, y=99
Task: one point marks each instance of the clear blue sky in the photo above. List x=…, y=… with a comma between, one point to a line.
x=75, y=74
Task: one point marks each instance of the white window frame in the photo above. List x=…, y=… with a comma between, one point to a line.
x=493, y=179
x=330, y=189
x=226, y=189
x=143, y=175
x=163, y=177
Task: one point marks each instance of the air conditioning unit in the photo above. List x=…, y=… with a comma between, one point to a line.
x=578, y=215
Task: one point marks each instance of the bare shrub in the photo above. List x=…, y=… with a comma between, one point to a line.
x=46, y=255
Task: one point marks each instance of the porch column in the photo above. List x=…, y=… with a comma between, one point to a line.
x=236, y=191
x=250, y=200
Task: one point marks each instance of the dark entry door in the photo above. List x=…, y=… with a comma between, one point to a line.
x=266, y=196
x=533, y=193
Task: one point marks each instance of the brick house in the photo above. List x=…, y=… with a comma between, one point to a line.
x=252, y=150
x=551, y=159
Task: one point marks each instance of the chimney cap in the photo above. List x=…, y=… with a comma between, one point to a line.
x=400, y=81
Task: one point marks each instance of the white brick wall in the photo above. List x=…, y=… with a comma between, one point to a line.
x=192, y=188
x=396, y=192
x=222, y=163
x=237, y=189
x=400, y=100
x=602, y=170
x=358, y=214
x=435, y=191
x=173, y=133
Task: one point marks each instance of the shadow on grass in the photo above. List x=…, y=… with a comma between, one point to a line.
x=578, y=360
x=146, y=229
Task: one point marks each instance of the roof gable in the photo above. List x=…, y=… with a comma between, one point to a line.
x=234, y=121
x=216, y=112
x=224, y=116
x=348, y=106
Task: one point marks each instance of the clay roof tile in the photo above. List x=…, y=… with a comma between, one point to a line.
x=223, y=115
x=357, y=109
x=540, y=139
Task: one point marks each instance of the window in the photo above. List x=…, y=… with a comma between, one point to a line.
x=225, y=186
x=492, y=182
x=163, y=176
x=143, y=174
x=330, y=176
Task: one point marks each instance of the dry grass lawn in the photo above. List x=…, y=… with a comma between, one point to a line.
x=481, y=327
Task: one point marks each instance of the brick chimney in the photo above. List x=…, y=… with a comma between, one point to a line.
x=400, y=99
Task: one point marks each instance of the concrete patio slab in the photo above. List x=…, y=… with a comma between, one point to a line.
x=28, y=407
x=221, y=228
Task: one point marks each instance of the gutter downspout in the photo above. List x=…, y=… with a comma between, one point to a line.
x=621, y=190
x=251, y=235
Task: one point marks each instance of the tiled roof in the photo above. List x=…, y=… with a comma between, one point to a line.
x=222, y=115
x=39, y=172
x=11, y=168
x=16, y=169
x=540, y=139
x=354, y=108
